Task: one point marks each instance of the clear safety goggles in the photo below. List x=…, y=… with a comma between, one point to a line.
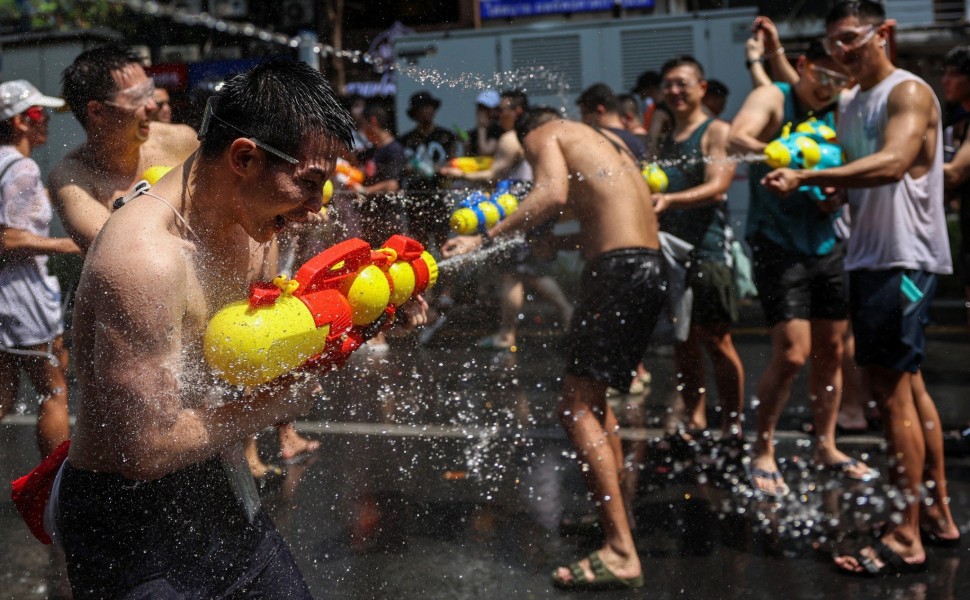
x=210, y=107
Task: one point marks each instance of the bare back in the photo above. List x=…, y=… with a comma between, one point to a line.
x=605, y=188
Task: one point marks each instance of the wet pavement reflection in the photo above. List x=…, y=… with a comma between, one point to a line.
x=443, y=473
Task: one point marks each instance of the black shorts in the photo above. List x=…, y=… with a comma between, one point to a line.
x=888, y=317
x=180, y=536
x=792, y=285
x=715, y=295
x=621, y=295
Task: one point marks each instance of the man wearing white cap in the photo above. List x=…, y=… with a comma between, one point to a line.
x=31, y=320
x=113, y=99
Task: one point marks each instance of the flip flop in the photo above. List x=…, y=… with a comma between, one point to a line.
x=843, y=468
x=779, y=492
x=933, y=539
x=892, y=563
x=603, y=578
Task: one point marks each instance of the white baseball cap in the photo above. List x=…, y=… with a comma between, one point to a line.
x=19, y=95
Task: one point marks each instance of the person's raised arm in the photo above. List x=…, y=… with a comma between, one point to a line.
x=507, y=155
x=550, y=188
x=138, y=366
x=759, y=111
x=909, y=109
x=81, y=213
x=546, y=200
x=754, y=53
x=718, y=174
x=781, y=68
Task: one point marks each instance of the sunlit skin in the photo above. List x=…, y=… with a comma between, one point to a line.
x=908, y=147
x=144, y=420
x=614, y=211
x=796, y=343
x=121, y=143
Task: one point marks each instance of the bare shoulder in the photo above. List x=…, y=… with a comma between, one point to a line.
x=139, y=249
x=170, y=144
x=911, y=95
x=716, y=136
x=68, y=171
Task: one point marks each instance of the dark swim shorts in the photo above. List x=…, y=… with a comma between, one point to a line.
x=792, y=285
x=890, y=311
x=181, y=536
x=715, y=294
x=621, y=295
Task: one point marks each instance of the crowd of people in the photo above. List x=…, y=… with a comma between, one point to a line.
x=845, y=257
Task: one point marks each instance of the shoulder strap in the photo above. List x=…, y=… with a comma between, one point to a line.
x=16, y=159
x=621, y=148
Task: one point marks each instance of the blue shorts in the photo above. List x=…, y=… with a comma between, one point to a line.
x=890, y=311
x=622, y=294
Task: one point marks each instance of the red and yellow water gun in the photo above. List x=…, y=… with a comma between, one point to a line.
x=335, y=302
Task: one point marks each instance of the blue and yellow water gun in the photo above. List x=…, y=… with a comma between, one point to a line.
x=479, y=211
x=813, y=145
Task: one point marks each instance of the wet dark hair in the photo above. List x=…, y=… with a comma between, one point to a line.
x=958, y=58
x=280, y=103
x=89, y=77
x=626, y=104
x=533, y=118
x=518, y=98
x=816, y=51
x=647, y=80
x=681, y=61
x=378, y=111
x=865, y=10
x=716, y=87
x=598, y=94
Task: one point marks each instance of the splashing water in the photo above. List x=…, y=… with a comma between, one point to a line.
x=498, y=248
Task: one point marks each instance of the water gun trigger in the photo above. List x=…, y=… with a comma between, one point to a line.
x=331, y=267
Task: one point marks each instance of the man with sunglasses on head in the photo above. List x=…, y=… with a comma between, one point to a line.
x=113, y=99
x=155, y=499
x=798, y=268
x=890, y=128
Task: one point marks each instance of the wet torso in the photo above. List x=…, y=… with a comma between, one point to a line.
x=135, y=237
x=607, y=193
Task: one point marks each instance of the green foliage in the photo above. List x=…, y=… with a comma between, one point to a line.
x=46, y=15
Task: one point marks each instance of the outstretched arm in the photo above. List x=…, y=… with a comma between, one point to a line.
x=910, y=109
x=81, y=213
x=718, y=174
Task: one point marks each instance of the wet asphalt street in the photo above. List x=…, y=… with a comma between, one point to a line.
x=443, y=473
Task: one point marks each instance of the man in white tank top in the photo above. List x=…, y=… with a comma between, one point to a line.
x=889, y=125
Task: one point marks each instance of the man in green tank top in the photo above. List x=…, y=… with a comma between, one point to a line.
x=694, y=156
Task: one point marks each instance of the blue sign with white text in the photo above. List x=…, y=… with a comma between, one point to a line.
x=503, y=9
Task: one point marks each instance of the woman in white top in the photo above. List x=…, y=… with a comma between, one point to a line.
x=31, y=319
